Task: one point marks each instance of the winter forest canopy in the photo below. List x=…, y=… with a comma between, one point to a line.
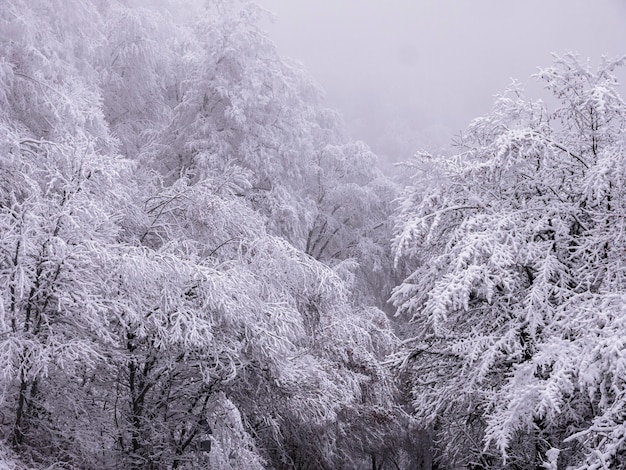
x=200, y=269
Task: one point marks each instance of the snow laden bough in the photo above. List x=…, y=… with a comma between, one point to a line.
x=518, y=288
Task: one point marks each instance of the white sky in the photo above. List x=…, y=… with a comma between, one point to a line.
x=408, y=74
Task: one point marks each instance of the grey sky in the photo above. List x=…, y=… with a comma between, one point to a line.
x=411, y=73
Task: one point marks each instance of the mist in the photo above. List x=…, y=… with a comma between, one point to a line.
x=411, y=75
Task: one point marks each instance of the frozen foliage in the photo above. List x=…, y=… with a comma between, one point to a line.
x=352, y=218
x=158, y=185
x=518, y=290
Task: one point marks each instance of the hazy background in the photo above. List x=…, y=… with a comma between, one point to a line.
x=410, y=74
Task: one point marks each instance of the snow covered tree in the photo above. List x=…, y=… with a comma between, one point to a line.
x=517, y=289
x=352, y=224
x=240, y=104
x=61, y=196
x=136, y=76
x=235, y=162
x=145, y=296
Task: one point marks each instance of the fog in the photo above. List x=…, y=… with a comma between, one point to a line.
x=409, y=75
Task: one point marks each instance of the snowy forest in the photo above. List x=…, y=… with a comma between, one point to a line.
x=199, y=268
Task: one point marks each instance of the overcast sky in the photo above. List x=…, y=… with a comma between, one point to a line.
x=409, y=74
